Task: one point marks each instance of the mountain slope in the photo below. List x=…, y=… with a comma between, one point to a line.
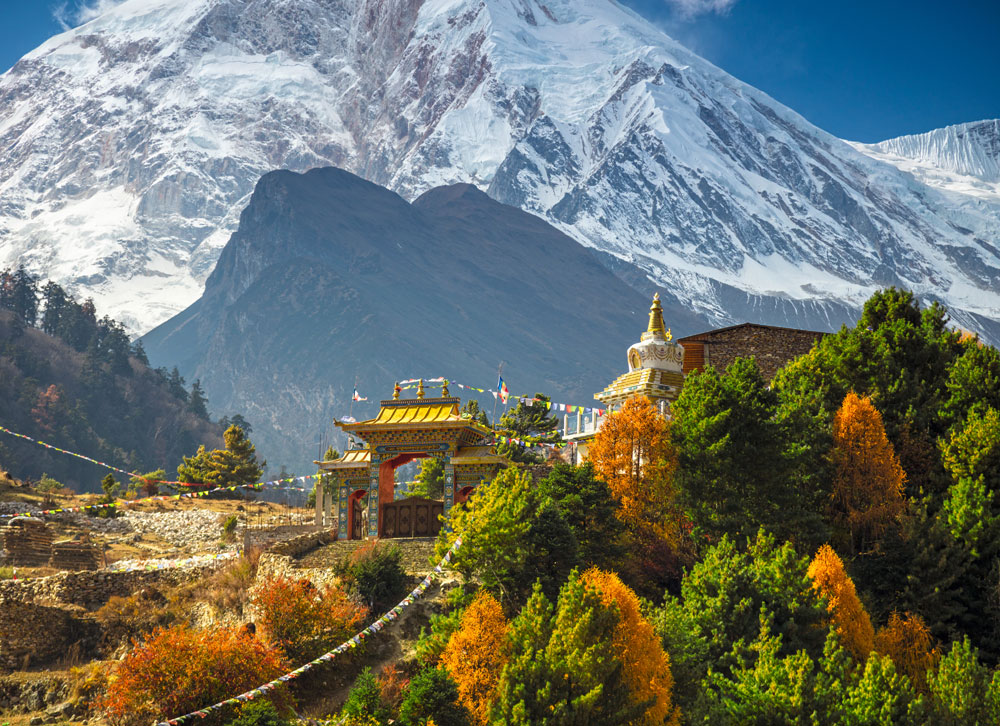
x=142, y=133
x=330, y=277
x=129, y=418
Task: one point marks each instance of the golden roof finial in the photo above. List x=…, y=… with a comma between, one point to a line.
x=420, y=388
x=656, y=327
x=445, y=393
x=395, y=391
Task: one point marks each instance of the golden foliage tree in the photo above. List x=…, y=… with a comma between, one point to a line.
x=631, y=452
x=849, y=617
x=907, y=640
x=646, y=665
x=868, y=480
x=476, y=654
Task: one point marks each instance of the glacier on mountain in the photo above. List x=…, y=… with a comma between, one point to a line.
x=131, y=143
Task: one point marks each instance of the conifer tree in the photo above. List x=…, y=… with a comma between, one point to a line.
x=646, y=665
x=849, y=617
x=564, y=669
x=631, y=452
x=197, y=403
x=907, y=640
x=19, y=293
x=235, y=465
x=512, y=535
x=868, y=480
x=475, y=412
x=883, y=697
x=973, y=382
x=529, y=421
x=476, y=655
x=731, y=475
x=586, y=504
x=430, y=479
x=963, y=691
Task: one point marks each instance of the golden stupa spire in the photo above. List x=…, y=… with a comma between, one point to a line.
x=656, y=327
x=445, y=393
x=395, y=392
x=420, y=388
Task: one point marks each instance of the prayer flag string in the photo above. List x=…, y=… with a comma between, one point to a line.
x=388, y=618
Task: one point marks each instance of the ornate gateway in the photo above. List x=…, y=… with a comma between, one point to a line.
x=404, y=430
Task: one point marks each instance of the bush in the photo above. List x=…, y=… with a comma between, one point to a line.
x=260, y=712
x=229, y=527
x=375, y=573
x=179, y=670
x=432, y=696
x=228, y=589
x=124, y=619
x=364, y=703
x=303, y=620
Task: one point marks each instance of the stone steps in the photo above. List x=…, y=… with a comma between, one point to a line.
x=416, y=553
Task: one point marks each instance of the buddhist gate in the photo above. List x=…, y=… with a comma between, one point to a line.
x=404, y=430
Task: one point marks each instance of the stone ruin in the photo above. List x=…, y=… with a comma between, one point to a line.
x=27, y=542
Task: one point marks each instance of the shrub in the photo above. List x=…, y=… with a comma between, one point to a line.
x=375, y=573
x=179, y=670
x=228, y=589
x=229, y=527
x=260, y=712
x=304, y=620
x=364, y=703
x=392, y=684
x=130, y=618
x=432, y=695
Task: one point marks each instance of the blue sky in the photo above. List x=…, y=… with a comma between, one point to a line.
x=864, y=71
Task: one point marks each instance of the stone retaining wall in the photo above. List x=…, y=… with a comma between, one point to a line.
x=31, y=633
x=89, y=589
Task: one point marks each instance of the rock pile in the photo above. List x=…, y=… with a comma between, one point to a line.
x=190, y=530
x=27, y=542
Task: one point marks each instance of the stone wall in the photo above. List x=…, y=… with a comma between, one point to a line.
x=33, y=634
x=268, y=537
x=89, y=589
x=771, y=346
x=304, y=542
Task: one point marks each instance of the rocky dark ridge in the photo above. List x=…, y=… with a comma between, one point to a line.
x=330, y=277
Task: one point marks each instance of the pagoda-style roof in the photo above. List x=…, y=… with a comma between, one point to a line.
x=417, y=413
x=653, y=383
x=477, y=455
x=352, y=459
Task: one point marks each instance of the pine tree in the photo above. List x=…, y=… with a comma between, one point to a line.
x=430, y=480
x=849, y=617
x=586, y=504
x=973, y=382
x=868, y=480
x=646, y=665
x=564, y=670
x=476, y=655
x=963, y=691
x=511, y=535
x=883, y=697
x=472, y=410
x=55, y=304
x=731, y=475
x=19, y=293
x=529, y=421
x=197, y=403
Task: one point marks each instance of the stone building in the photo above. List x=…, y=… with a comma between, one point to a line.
x=771, y=346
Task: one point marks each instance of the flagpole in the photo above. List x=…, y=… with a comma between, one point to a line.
x=350, y=413
x=496, y=395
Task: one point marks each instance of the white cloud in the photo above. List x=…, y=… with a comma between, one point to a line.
x=692, y=8
x=70, y=15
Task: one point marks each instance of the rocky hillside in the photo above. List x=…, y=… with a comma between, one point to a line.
x=330, y=277
x=132, y=142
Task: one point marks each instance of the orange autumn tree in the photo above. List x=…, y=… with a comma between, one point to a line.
x=868, y=479
x=631, y=452
x=303, y=620
x=180, y=669
x=476, y=654
x=646, y=665
x=907, y=640
x=849, y=617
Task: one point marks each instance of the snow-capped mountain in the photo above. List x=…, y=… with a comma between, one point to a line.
x=131, y=143
x=964, y=158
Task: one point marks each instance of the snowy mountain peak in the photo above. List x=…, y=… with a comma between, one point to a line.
x=133, y=142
